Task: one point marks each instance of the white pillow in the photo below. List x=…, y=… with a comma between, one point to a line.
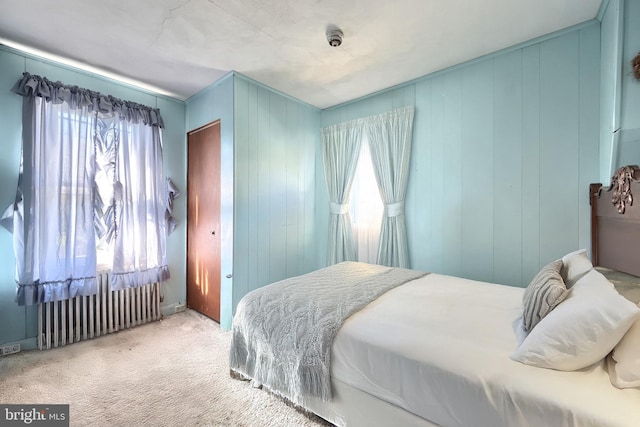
x=624, y=361
x=582, y=329
x=574, y=266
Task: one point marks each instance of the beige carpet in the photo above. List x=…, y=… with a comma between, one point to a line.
x=174, y=372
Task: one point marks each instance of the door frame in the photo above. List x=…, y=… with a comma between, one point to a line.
x=226, y=215
x=219, y=231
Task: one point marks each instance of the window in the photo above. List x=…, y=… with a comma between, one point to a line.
x=92, y=186
x=366, y=207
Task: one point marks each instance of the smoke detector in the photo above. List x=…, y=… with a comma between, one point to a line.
x=334, y=37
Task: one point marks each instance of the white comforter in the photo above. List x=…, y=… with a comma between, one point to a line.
x=439, y=347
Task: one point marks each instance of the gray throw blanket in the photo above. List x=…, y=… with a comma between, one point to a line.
x=283, y=333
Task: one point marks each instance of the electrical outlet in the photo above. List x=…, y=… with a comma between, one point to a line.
x=180, y=307
x=9, y=349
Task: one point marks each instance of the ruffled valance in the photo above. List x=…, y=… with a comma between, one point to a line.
x=397, y=114
x=57, y=93
x=137, y=278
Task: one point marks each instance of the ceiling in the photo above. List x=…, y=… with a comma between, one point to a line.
x=182, y=46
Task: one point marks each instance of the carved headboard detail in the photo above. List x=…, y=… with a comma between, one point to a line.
x=621, y=184
x=615, y=222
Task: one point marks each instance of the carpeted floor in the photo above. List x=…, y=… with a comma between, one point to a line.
x=174, y=372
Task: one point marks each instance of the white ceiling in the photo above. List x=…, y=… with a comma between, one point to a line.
x=182, y=46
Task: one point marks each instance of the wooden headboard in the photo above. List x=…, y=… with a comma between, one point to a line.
x=615, y=222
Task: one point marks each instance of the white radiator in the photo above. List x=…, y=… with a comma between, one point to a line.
x=84, y=317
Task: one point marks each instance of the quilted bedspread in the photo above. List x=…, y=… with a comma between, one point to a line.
x=283, y=333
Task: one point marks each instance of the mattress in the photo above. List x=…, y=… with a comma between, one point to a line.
x=439, y=348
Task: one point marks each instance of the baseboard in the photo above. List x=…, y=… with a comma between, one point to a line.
x=25, y=344
x=169, y=309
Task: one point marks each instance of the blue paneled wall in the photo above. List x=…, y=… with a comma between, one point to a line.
x=18, y=324
x=211, y=104
x=611, y=84
x=269, y=146
x=277, y=141
x=504, y=148
x=620, y=28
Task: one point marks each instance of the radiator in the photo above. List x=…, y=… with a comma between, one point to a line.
x=85, y=317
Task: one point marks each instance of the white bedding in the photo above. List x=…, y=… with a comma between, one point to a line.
x=439, y=347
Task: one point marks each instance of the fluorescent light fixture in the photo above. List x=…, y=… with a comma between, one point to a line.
x=85, y=67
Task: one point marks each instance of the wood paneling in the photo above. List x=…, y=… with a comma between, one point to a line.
x=507, y=160
x=530, y=163
x=503, y=151
x=477, y=189
x=559, y=124
x=275, y=140
x=611, y=84
x=452, y=202
x=589, y=128
x=13, y=319
x=630, y=107
x=622, y=32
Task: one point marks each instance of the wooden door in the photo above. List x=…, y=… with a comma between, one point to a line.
x=203, y=220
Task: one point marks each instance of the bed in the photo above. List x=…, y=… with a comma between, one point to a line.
x=430, y=349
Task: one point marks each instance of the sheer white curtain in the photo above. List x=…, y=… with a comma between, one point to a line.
x=140, y=226
x=390, y=137
x=366, y=207
x=340, y=149
x=54, y=238
x=92, y=170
